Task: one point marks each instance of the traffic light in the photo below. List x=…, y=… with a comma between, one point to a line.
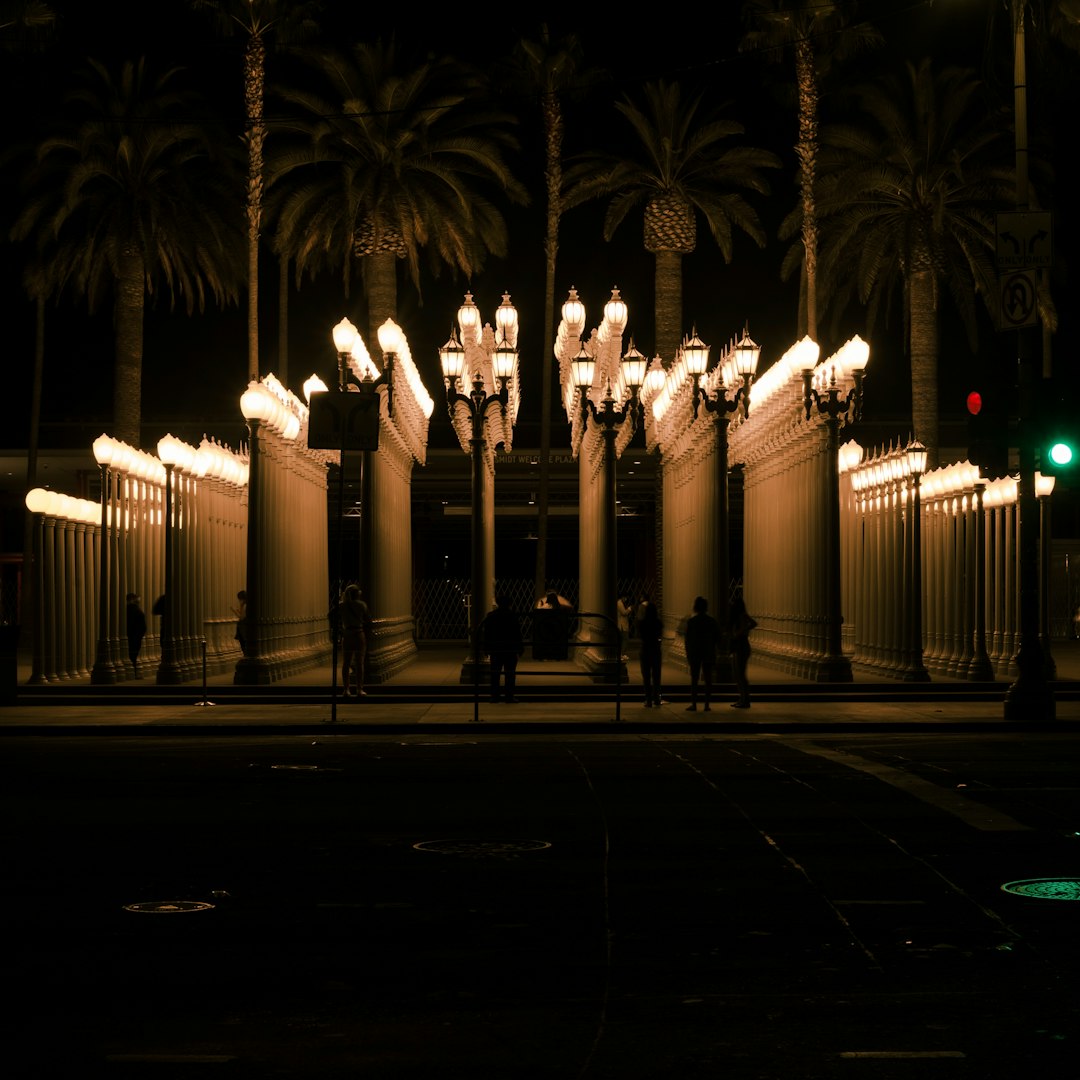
x=988, y=434
x=1059, y=431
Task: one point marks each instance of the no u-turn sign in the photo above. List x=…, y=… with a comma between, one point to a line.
x=1017, y=306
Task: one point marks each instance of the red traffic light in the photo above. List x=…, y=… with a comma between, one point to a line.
x=974, y=402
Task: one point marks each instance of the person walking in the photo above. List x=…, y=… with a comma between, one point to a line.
x=740, y=623
x=136, y=630
x=500, y=634
x=650, y=632
x=702, y=638
x=353, y=627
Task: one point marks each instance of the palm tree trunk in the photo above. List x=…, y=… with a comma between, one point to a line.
x=26, y=598
x=128, y=317
x=380, y=288
x=806, y=150
x=669, y=329
x=283, y=319
x=924, y=361
x=553, y=128
x=254, y=75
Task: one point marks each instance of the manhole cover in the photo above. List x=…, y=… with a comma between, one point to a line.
x=1046, y=888
x=169, y=907
x=486, y=849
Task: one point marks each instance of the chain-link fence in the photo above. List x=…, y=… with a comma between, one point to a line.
x=10, y=591
x=441, y=605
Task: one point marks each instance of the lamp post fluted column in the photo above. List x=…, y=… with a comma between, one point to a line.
x=610, y=420
x=741, y=363
x=1044, y=486
x=497, y=355
x=830, y=403
x=168, y=672
x=103, y=671
x=478, y=403
x=1029, y=697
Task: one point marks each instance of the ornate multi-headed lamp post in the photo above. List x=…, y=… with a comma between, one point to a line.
x=476, y=404
x=821, y=392
x=610, y=417
x=739, y=366
x=349, y=419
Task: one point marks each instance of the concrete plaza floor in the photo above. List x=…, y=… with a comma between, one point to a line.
x=551, y=695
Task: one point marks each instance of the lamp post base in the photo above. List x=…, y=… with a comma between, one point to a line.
x=251, y=671
x=473, y=670
x=603, y=667
x=168, y=674
x=102, y=674
x=1029, y=701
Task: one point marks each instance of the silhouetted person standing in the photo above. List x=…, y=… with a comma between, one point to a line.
x=740, y=623
x=702, y=638
x=623, y=611
x=650, y=631
x=240, y=611
x=353, y=625
x=136, y=629
x=500, y=634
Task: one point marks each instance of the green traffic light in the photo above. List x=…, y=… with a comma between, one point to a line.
x=1061, y=453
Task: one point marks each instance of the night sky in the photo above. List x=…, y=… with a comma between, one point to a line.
x=195, y=367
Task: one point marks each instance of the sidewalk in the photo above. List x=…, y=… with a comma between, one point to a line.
x=552, y=696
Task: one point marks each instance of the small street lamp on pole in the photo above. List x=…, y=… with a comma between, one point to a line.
x=171, y=452
x=1044, y=488
x=103, y=671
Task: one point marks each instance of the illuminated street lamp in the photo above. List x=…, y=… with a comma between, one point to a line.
x=37, y=502
x=171, y=452
x=348, y=419
x=476, y=404
x=738, y=366
x=1044, y=488
x=821, y=392
x=103, y=671
x=610, y=417
x=915, y=457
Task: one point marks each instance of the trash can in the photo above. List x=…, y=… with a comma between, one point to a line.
x=9, y=664
x=551, y=631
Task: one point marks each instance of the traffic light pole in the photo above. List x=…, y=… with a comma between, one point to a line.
x=1029, y=699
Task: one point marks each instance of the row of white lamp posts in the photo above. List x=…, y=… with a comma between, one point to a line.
x=641, y=384
x=143, y=499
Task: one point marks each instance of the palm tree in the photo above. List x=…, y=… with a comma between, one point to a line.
x=393, y=161
x=122, y=200
x=260, y=22
x=25, y=24
x=549, y=70
x=681, y=166
x=818, y=34
x=908, y=205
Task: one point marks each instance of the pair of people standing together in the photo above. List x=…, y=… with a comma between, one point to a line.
x=702, y=641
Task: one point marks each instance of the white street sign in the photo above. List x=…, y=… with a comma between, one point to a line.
x=1024, y=239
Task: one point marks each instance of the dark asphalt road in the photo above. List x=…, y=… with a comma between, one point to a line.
x=755, y=907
